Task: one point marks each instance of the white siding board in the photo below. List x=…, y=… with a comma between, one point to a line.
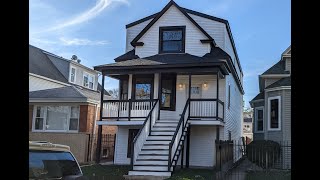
x=182, y=94
x=121, y=146
x=36, y=84
x=288, y=64
x=214, y=28
x=133, y=31
x=233, y=116
x=79, y=76
x=202, y=146
x=173, y=17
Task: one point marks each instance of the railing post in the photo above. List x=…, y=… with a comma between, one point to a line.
x=189, y=94
x=132, y=154
x=169, y=157
x=217, y=108
x=130, y=107
x=159, y=93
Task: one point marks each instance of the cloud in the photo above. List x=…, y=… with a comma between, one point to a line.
x=87, y=15
x=82, y=42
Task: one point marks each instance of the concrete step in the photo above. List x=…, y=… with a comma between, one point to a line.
x=167, y=121
x=157, y=124
x=150, y=173
x=162, y=133
x=151, y=168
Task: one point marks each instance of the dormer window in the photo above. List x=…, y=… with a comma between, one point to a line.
x=73, y=75
x=88, y=81
x=172, y=39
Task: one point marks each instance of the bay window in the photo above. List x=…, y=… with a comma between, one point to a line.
x=274, y=113
x=56, y=118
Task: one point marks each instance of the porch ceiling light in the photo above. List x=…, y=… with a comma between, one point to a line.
x=180, y=86
x=205, y=84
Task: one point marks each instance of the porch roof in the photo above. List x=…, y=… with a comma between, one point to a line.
x=215, y=58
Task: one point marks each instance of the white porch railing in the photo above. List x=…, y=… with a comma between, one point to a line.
x=126, y=109
x=206, y=108
x=144, y=132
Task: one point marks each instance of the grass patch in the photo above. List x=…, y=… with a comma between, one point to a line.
x=272, y=175
x=193, y=174
x=105, y=171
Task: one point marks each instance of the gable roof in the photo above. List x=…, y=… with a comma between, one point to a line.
x=197, y=14
x=157, y=17
x=281, y=82
x=278, y=68
x=287, y=52
x=41, y=65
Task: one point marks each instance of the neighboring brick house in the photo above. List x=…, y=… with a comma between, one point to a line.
x=64, y=102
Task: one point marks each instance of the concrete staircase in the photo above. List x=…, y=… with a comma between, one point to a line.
x=153, y=157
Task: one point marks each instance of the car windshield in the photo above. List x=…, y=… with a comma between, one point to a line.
x=52, y=164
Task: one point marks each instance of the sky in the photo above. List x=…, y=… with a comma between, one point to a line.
x=94, y=30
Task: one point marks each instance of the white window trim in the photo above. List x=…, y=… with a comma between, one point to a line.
x=45, y=118
x=75, y=74
x=256, y=119
x=279, y=112
x=84, y=74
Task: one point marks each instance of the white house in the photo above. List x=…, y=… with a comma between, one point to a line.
x=181, y=89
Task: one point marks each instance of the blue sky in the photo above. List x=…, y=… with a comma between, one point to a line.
x=94, y=30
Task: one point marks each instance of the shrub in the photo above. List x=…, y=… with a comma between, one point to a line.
x=263, y=153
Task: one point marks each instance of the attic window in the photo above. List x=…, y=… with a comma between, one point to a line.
x=172, y=39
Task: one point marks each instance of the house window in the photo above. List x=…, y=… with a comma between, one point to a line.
x=132, y=134
x=73, y=75
x=124, y=89
x=143, y=86
x=88, y=81
x=259, y=119
x=229, y=97
x=172, y=39
x=168, y=94
x=56, y=118
x=274, y=113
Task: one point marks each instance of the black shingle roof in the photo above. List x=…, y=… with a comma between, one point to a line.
x=63, y=92
x=127, y=56
x=259, y=96
x=278, y=68
x=40, y=64
x=281, y=82
x=71, y=92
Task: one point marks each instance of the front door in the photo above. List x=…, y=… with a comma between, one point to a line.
x=196, y=106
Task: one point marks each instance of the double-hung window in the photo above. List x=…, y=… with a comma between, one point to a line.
x=172, y=39
x=56, y=118
x=259, y=119
x=73, y=75
x=88, y=81
x=274, y=113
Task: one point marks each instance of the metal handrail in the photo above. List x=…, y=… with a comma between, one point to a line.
x=144, y=123
x=175, y=134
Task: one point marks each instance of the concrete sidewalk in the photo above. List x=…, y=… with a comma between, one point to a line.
x=240, y=171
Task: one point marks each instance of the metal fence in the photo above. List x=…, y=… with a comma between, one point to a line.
x=260, y=155
x=107, y=147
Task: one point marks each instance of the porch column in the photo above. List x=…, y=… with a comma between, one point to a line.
x=159, y=94
x=217, y=106
x=189, y=94
x=188, y=146
x=129, y=86
x=100, y=126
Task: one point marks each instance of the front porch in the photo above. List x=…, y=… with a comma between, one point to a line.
x=163, y=106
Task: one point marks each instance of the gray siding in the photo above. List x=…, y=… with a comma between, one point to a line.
x=36, y=84
x=258, y=136
x=61, y=65
x=269, y=81
x=286, y=115
x=288, y=64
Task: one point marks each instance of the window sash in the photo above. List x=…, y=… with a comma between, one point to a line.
x=162, y=40
x=45, y=119
x=259, y=120
x=274, y=113
x=73, y=75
